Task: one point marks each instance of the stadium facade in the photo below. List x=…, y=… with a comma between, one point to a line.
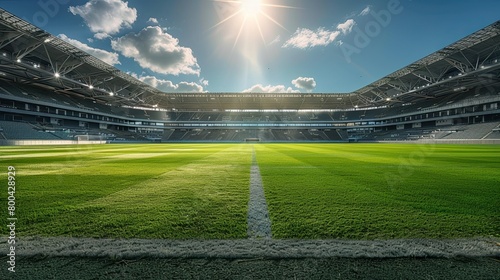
x=51, y=90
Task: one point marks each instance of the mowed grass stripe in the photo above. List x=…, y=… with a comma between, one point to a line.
x=361, y=191
x=324, y=191
x=470, y=179
x=86, y=175
x=189, y=191
x=203, y=199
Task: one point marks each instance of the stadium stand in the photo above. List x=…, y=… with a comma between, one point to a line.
x=442, y=96
x=493, y=134
x=475, y=131
x=24, y=131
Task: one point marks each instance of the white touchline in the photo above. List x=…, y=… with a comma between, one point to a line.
x=259, y=224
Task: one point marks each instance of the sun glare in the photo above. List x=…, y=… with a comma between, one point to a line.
x=251, y=7
x=252, y=14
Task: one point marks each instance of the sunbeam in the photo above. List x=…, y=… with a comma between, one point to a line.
x=250, y=13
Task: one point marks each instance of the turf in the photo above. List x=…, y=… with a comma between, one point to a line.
x=185, y=191
x=147, y=191
x=370, y=191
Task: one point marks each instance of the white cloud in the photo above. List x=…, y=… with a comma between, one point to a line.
x=347, y=26
x=276, y=40
x=106, y=17
x=108, y=57
x=305, y=38
x=153, y=20
x=158, y=51
x=189, y=87
x=259, y=88
x=304, y=83
x=101, y=35
x=169, y=86
x=365, y=11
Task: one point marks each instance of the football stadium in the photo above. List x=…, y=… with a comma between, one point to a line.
x=108, y=177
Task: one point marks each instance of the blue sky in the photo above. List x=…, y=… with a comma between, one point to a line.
x=331, y=46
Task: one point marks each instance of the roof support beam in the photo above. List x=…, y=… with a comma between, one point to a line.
x=365, y=100
x=10, y=40
x=137, y=94
x=457, y=64
x=22, y=53
x=468, y=61
x=425, y=78
x=66, y=70
x=495, y=49
x=400, y=88
x=443, y=72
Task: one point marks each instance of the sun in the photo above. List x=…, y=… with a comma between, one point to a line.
x=251, y=7
x=251, y=14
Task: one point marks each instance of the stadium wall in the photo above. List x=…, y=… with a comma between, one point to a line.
x=47, y=142
x=445, y=141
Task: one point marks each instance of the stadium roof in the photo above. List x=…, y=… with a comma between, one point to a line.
x=31, y=55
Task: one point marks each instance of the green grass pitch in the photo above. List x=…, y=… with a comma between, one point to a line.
x=201, y=191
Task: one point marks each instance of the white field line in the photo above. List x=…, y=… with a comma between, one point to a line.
x=259, y=224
